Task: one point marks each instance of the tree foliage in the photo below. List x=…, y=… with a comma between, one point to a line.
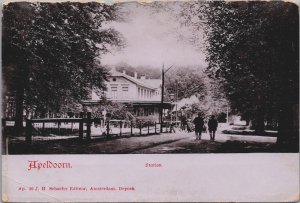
x=50, y=51
x=193, y=82
x=252, y=49
x=190, y=81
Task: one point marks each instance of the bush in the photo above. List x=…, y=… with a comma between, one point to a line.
x=145, y=120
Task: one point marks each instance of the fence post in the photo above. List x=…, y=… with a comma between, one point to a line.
x=81, y=126
x=140, y=128
x=120, y=128
x=148, y=128
x=155, y=127
x=43, y=129
x=28, y=132
x=130, y=128
x=166, y=127
x=88, y=125
x=107, y=128
x=58, y=126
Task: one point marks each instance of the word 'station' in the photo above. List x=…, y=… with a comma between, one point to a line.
x=47, y=165
x=155, y=165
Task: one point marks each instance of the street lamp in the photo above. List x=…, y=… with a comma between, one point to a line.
x=162, y=93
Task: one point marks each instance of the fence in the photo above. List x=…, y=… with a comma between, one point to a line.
x=46, y=129
x=58, y=128
x=121, y=128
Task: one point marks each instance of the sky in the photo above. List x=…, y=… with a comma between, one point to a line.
x=153, y=37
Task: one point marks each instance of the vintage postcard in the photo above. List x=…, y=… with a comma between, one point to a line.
x=163, y=101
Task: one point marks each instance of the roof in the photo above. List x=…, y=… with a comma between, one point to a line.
x=155, y=83
x=148, y=83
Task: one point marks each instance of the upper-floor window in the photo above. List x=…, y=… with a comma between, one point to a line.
x=125, y=89
x=114, y=89
x=114, y=79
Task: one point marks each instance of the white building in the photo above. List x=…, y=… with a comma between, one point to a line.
x=144, y=94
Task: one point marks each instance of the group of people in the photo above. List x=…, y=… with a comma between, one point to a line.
x=200, y=126
x=185, y=124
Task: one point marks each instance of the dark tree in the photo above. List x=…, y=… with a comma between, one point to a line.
x=253, y=50
x=51, y=52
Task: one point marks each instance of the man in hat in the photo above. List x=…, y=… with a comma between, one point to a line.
x=198, y=121
x=212, y=127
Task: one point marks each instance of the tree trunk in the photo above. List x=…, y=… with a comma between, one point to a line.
x=247, y=122
x=42, y=112
x=288, y=135
x=259, y=122
x=259, y=118
x=19, y=108
x=21, y=83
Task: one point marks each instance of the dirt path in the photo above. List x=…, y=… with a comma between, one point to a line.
x=180, y=142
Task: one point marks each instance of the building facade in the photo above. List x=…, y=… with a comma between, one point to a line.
x=142, y=93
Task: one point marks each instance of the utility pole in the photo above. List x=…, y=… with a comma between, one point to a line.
x=176, y=99
x=162, y=93
x=162, y=96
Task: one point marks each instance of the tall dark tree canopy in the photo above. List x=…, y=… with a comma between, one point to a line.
x=253, y=49
x=51, y=51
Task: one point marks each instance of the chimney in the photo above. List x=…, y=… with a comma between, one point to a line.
x=135, y=75
x=124, y=72
x=143, y=77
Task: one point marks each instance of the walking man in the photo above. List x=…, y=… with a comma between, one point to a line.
x=183, y=123
x=212, y=127
x=198, y=121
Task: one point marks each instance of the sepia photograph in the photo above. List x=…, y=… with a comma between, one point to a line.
x=150, y=78
x=156, y=101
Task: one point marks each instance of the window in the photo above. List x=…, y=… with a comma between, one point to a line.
x=114, y=91
x=114, y=79
x=125, y=89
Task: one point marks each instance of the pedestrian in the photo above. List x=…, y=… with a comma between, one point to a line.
x=172, y=129
x=188, y=126
x=199, y=123
x=212, y=127
x=183, y=123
